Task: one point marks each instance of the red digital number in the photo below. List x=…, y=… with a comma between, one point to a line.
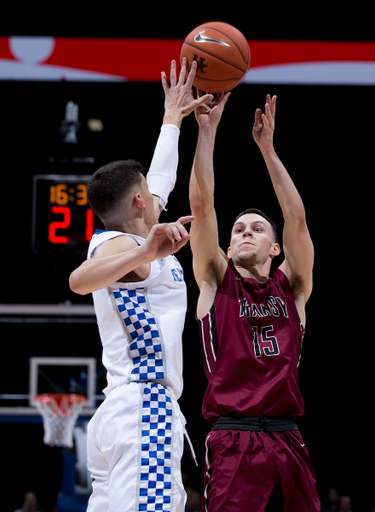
x=62, y=224
x=89, y=224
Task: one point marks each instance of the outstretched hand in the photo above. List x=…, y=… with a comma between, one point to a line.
x=264, y=124
x=167, y=238
x=210, y=113
x=179, y=98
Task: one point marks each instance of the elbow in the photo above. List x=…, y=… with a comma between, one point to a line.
x=299, y=221
x=297, y=216
x=200, y=208
x=195, y=205
x=76, y=286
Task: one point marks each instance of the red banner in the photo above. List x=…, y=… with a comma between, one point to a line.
x=75, y=59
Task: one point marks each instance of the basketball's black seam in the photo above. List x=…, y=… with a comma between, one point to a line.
x=247, y=62
x=218, y=80
x=224, y=34
x=215, y=57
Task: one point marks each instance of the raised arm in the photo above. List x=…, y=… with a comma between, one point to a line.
x=297, y=243
x=178, y=103
x=209, y=262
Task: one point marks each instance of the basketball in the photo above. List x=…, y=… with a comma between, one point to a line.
x=222, y=54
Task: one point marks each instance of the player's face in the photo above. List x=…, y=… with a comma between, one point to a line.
x=252, y=240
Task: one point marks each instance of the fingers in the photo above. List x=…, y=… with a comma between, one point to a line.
x=183, y=72
x=192, y=72
x=266, y=121
x=179, y=229
x=195, y=104
x=222, y=98
x=173, y=75
x=176, y=233
x=164, y=82
x=186, y=219
x=210, y=101
x=175, y=230
x=179, y=97
x=201, y=101
x=257, y=117
x=271, y=106
x=181, y=235
x=269, y=115
x=177, y=245
x=182, y=78
x=167, y=238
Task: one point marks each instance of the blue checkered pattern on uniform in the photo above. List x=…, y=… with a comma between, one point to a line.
x=156, y=449
x=145, y=348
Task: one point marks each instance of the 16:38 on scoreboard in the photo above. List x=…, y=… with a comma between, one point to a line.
x=62, y=220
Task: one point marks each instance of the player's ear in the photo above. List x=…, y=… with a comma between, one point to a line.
x=229, y=252
x=138, y=201
x=275, y=250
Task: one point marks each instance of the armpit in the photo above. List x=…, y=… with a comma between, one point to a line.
x=131, y=277
x=213, y=273
x=297, y=286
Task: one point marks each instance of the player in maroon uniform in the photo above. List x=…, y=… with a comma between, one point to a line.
x=251, y=328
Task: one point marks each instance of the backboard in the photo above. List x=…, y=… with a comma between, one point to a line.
x=75, y=375
x=49, y=349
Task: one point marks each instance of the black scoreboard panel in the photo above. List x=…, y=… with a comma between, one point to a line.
x=62, y=219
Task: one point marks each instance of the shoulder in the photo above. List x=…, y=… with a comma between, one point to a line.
x=113, y=243
x=281, y=277
x=214, y=276
x=295, y=281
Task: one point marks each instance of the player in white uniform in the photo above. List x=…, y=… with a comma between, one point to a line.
x=135, y=439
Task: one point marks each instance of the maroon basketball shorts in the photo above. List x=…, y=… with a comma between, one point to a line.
x=243, y=467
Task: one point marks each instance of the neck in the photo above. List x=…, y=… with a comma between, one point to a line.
x=259, y=273
x=133, y=227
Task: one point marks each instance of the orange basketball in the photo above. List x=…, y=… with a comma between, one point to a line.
x=222, y=53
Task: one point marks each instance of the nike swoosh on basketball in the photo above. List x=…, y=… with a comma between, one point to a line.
x=199, y=38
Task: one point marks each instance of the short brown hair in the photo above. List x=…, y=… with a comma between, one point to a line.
x=109, y=184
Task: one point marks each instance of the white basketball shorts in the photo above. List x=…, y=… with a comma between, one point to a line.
x=135, y=444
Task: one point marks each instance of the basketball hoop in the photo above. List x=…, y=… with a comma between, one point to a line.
x=59, y=412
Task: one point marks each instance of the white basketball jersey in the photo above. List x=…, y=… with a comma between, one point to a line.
x=141, y=323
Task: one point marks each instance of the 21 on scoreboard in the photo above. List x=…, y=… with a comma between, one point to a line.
x=62, y=219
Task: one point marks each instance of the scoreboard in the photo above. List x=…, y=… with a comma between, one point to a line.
x=62, y=219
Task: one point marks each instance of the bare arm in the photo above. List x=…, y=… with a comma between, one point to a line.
x=209, y=263
x=121, y=255
x=298, y=246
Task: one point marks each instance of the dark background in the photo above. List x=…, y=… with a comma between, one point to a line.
x=324, y=136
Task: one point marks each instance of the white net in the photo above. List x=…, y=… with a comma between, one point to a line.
x=59, y=413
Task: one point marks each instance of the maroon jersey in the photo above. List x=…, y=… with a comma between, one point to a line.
x=251, y=342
